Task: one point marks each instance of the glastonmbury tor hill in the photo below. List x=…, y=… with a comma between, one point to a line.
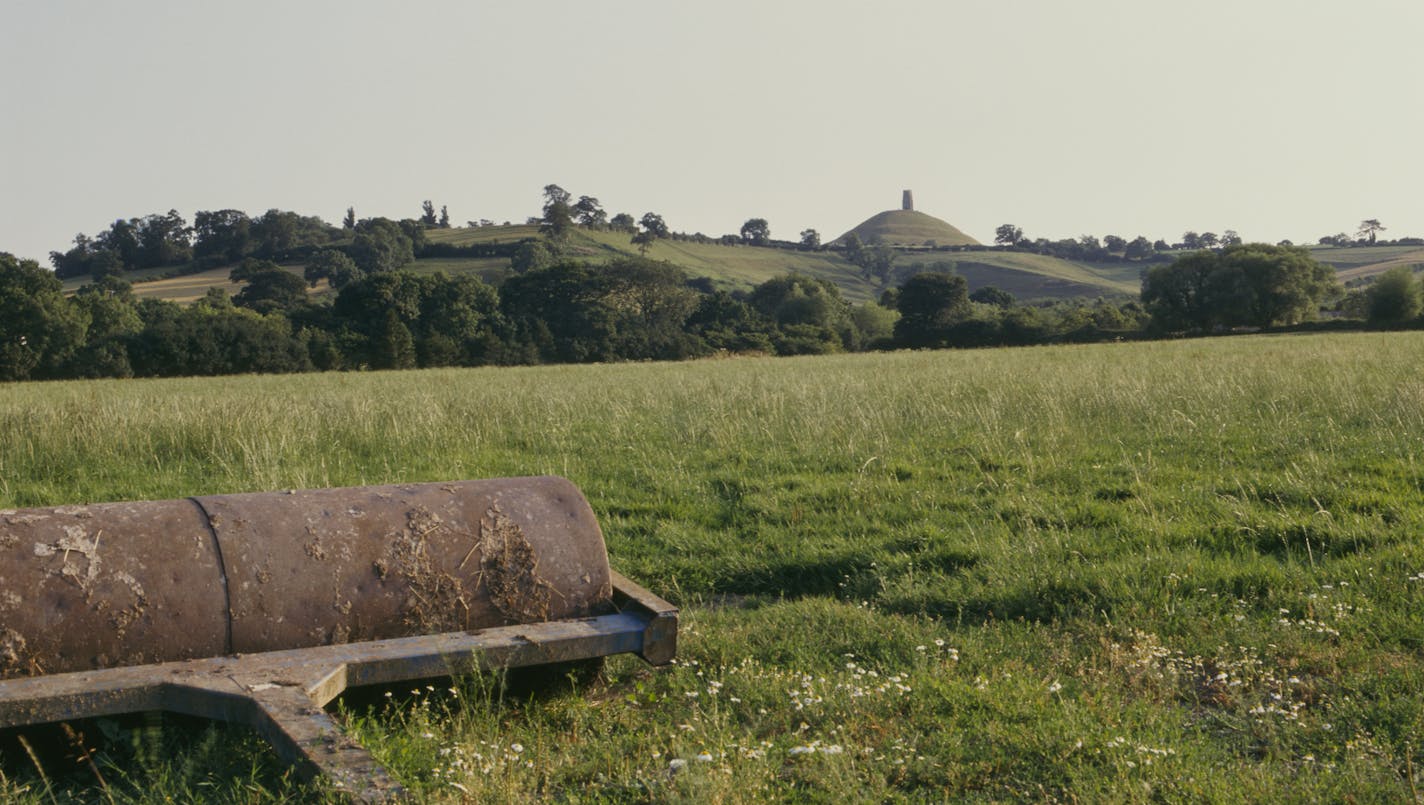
x=908, y=227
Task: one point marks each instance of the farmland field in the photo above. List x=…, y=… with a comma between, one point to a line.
x=1171, y=571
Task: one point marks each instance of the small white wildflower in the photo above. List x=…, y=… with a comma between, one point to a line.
x=1055, y=687
x=517, y=748
x=920, y=648
x=704, y=758
x=939, y=642
x=833, y=749
x=801, y=750
x=677, y=764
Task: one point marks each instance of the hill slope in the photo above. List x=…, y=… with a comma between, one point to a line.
x=1358, y=263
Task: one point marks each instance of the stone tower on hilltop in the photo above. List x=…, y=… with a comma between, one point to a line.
x=907, y=227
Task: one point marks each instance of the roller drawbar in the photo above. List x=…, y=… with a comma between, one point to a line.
x=261, y=608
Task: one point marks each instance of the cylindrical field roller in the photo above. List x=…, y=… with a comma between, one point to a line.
x=113, y=584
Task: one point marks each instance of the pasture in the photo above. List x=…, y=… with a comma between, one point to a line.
x=1186, y=570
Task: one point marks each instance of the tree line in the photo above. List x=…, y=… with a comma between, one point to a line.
x=568, y=312
x=632, y=308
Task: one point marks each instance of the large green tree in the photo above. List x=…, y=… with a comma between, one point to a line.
x=39, y=328
x=590, y=213
x=111, y=310
x=1248, y=285
x=222, y=235
x=381, y=245
x=558, y=213
x=1008, y=235
x=1394, y=298
x=267, y=287
x=810, y=314
x=930, y=303
x=628, y=309
x=756, y=231
x=1370, y=227
x=333, y=266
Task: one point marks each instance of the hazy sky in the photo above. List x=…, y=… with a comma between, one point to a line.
x=1277, y=118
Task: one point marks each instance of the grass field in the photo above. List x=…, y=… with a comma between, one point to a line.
x=1159, y=571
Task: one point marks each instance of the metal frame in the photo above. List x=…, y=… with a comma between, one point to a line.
x=281, y=694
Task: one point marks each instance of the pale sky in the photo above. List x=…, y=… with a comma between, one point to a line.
x=1277, y=118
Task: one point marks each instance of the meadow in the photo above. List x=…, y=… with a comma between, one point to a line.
x=1162, y=571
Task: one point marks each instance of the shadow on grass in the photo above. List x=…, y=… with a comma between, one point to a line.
x=846, y=575
x=1057, y=600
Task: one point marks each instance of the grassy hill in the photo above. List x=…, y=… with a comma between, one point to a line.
x=909, y=228
x=1027, y=276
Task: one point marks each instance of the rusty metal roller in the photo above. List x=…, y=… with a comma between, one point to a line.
x=117, y=584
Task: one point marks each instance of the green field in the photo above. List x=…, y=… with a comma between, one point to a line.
x=1166, y=571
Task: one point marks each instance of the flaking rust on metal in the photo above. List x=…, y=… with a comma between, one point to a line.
x=509, y=569
x=81, y=565
x=74, y=544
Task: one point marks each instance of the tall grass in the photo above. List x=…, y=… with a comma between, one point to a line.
x=1158, y=570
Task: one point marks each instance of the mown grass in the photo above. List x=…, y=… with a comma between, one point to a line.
x=1156, y=571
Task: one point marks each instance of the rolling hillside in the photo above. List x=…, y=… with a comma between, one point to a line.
x=1358, y=263
x=1027, y=276
x=732, y=267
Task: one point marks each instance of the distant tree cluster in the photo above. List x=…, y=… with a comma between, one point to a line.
x=218, y=237
x=1086, y=247
x=875, y=259
x=1249, y=285
x=1367, y=235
